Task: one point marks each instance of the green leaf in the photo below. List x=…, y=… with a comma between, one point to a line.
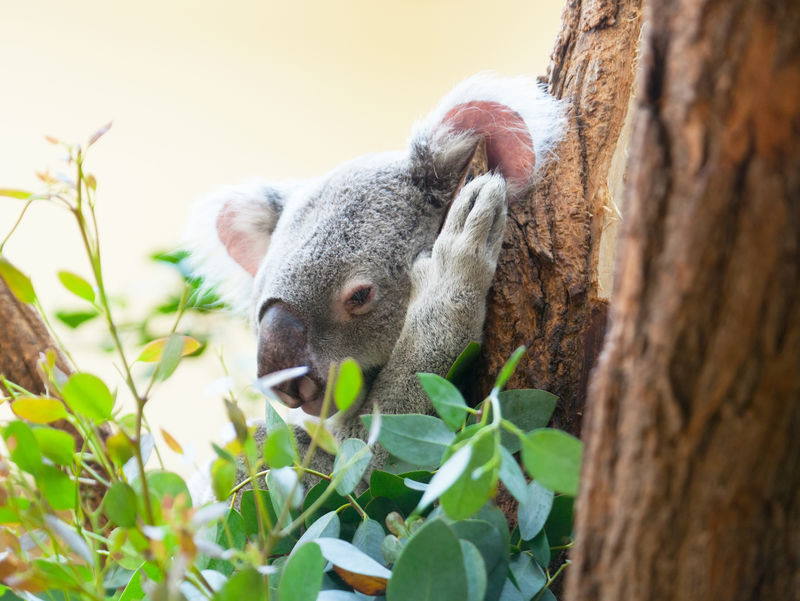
x=75, y=319
x=119, y=504
x=463, y=362
x=19, y=194
x=348, y=384
x=164, y=483
x=490, y=543
x=40, y=410
x=509, y=367
x=534, y=507
x=170, y=357
x=446, y=476
x=369, y=538
x=22, y=447
x=526, y=408
x=57, y=487
x=418, y=439
x=87, y=395
x=479, y=480
x=301, y=579
x=77, y=285
x=246, y=584
x=511, y=475
x=553, y=458
x=351, y=476
x=348, y=557
x=560, y=521
x=19, y=284
x=327, y=525
x=278, y=448
x=446, y=399
x=250, y=510
x=529, y=576
x=322, y=436
x=230, y=535
x=133, y=591
x=540, y=548
x=390, y=486
x=475, y=570
x=223, y=478
x=430, y=567
x=56, y=445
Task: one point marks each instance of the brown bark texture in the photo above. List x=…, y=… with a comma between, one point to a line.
x=691, y=479
x=23, y=337
x=545, y=290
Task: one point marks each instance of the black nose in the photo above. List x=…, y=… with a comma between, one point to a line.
x=281, y=340
x=282, y=343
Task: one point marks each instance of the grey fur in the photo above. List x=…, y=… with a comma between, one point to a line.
x=376, y=221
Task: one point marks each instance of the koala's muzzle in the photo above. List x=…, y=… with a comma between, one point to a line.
x=282, y=343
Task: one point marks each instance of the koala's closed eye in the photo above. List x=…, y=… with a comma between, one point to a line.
x=358, y=298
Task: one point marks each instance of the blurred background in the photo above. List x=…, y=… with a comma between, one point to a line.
x=207, y=93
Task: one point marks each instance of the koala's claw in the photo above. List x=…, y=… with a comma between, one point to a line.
x=475, y=224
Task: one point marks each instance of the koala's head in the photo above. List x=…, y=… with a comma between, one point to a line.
x=326, y=263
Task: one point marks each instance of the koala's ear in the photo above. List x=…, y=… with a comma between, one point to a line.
x=520, y=122
x=245, y=223
x=229, y=232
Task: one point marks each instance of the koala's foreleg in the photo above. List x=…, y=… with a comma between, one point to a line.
x=448, y=302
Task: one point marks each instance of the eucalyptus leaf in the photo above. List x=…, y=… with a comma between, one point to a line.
x=418, y=439
x=475, y=570
x=446, y=399
x=348, y=384
x=553, y=457
x=417, y=575
x=534, y=507
x=351, y=476
x=301, y=579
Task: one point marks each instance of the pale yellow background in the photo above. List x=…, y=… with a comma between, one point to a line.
x=206, y=93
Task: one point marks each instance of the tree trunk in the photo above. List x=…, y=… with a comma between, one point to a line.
x=691, y=480
x=545, y=293
x=23, y=337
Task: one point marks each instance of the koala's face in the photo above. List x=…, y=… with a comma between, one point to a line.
x=334, y=282
x=328, y=261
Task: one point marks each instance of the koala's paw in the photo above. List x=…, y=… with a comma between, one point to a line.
x=465, y=253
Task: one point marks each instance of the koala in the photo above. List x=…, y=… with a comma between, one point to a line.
x=388, y=258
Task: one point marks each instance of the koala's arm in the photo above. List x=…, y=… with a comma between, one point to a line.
x=448, y=301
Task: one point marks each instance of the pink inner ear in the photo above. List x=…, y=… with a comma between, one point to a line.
x=243, y=246
x=509, y=146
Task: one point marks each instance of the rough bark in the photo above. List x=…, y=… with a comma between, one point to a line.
x=691, y=480
x=545, y=290
x=23, y=337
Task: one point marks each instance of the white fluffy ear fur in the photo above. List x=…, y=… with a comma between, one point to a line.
x=228, y=234
x=544, y=116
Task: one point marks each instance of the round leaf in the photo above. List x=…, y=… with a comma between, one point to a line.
x=478, y=482
x=553, y=458
x=430, y=567
x=119, y=504
x=534, y=507
x=87, y=395
x=419, y=439
x=40, y=410
x=301, y=579
x=446, y=399
x=278, y=448
x=155, y=349
x=351, y=476
x=475, y=570
x=22, y=447
x=223, y=478
x=56, y=445
x=57, y=487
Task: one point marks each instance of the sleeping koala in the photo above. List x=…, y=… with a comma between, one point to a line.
x=388, y=258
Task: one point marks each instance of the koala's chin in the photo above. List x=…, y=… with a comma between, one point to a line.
x=388, y=258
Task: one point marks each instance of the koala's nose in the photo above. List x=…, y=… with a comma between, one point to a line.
x=282, y=343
